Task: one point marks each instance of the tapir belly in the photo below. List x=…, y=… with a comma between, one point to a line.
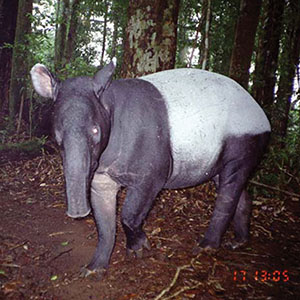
x=204, y=109
x=196, y=144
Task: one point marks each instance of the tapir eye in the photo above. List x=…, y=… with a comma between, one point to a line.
x=95, y=130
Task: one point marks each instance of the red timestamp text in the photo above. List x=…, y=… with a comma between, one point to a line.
x=261, y=275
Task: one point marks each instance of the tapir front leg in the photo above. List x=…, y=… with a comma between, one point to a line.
x=103, y=197
x=137, y=204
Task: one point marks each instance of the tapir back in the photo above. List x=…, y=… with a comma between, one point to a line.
x=204, y=110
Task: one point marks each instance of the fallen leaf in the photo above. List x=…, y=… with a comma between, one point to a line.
x=54, y=277
x=156, y=231
x=90, y=221
x=10, y=286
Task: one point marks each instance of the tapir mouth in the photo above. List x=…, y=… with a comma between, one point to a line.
x=78, y=204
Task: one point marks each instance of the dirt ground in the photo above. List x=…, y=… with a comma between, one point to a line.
x=42, y=250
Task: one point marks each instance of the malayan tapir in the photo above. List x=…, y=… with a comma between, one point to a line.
x=168, y=130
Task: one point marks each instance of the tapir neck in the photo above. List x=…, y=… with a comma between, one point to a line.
x=105, y=125
x=107, y=101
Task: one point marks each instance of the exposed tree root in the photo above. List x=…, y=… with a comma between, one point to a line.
x=274, y=188
x=183, y=289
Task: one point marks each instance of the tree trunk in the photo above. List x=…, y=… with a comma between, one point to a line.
x=151, y=34
x=264, y=78
x=8, y=21
x=244, y=41
x=20, y=70
x=182, y=35
x=104, y=34
x=58, y=7
x=115, y=33
x=195, y=42
x=60, y=43
x=70, y=43
x=288, y=66
x=224, y=20
x=118, y=16
x=204, y=50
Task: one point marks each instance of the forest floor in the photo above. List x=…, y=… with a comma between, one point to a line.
x=42, y=250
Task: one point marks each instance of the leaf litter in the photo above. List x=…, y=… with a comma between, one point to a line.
x=42, y=250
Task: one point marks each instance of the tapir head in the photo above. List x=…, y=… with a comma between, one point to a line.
x=81, y=128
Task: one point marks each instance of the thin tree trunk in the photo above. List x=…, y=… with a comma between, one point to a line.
x=203, y=33
x=58, y=4
x=189, y=65
x=118, y=16
x=289, y=63
x=60, y=47
x=198, y=31
x=8, y=21
x=115, y=34
x=244, y=41
x=222, y=31
x=264, y=77
x=19, y=72
x=206, y=38
x=104, y=34
x=70, y=43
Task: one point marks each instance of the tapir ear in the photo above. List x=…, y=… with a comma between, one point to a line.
x=102, y=79
x=44, y=83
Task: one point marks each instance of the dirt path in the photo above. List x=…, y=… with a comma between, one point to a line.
x=42, y=250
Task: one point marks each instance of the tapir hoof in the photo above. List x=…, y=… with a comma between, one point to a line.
x=235, y=244
x=139, y=253
x=205, y=246
x=96, y=274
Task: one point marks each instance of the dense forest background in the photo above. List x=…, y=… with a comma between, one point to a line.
x=257, y=43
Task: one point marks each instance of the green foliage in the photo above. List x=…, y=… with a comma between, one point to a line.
x=90, y=30
x=42, y=38
x=6, y=46
x=224, y=17
x=280, y=167
x=86, y=52
x=221, y=34
x=188, y=21
x=27, y=146
x=78, y=67
x=4, y=132
x=293, y=133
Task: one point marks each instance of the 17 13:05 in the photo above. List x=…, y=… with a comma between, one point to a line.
x=261, y=275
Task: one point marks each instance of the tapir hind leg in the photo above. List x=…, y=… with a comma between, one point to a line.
x=241, y=220
x=231, y=184
x=240, y=156
x=103, y=198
